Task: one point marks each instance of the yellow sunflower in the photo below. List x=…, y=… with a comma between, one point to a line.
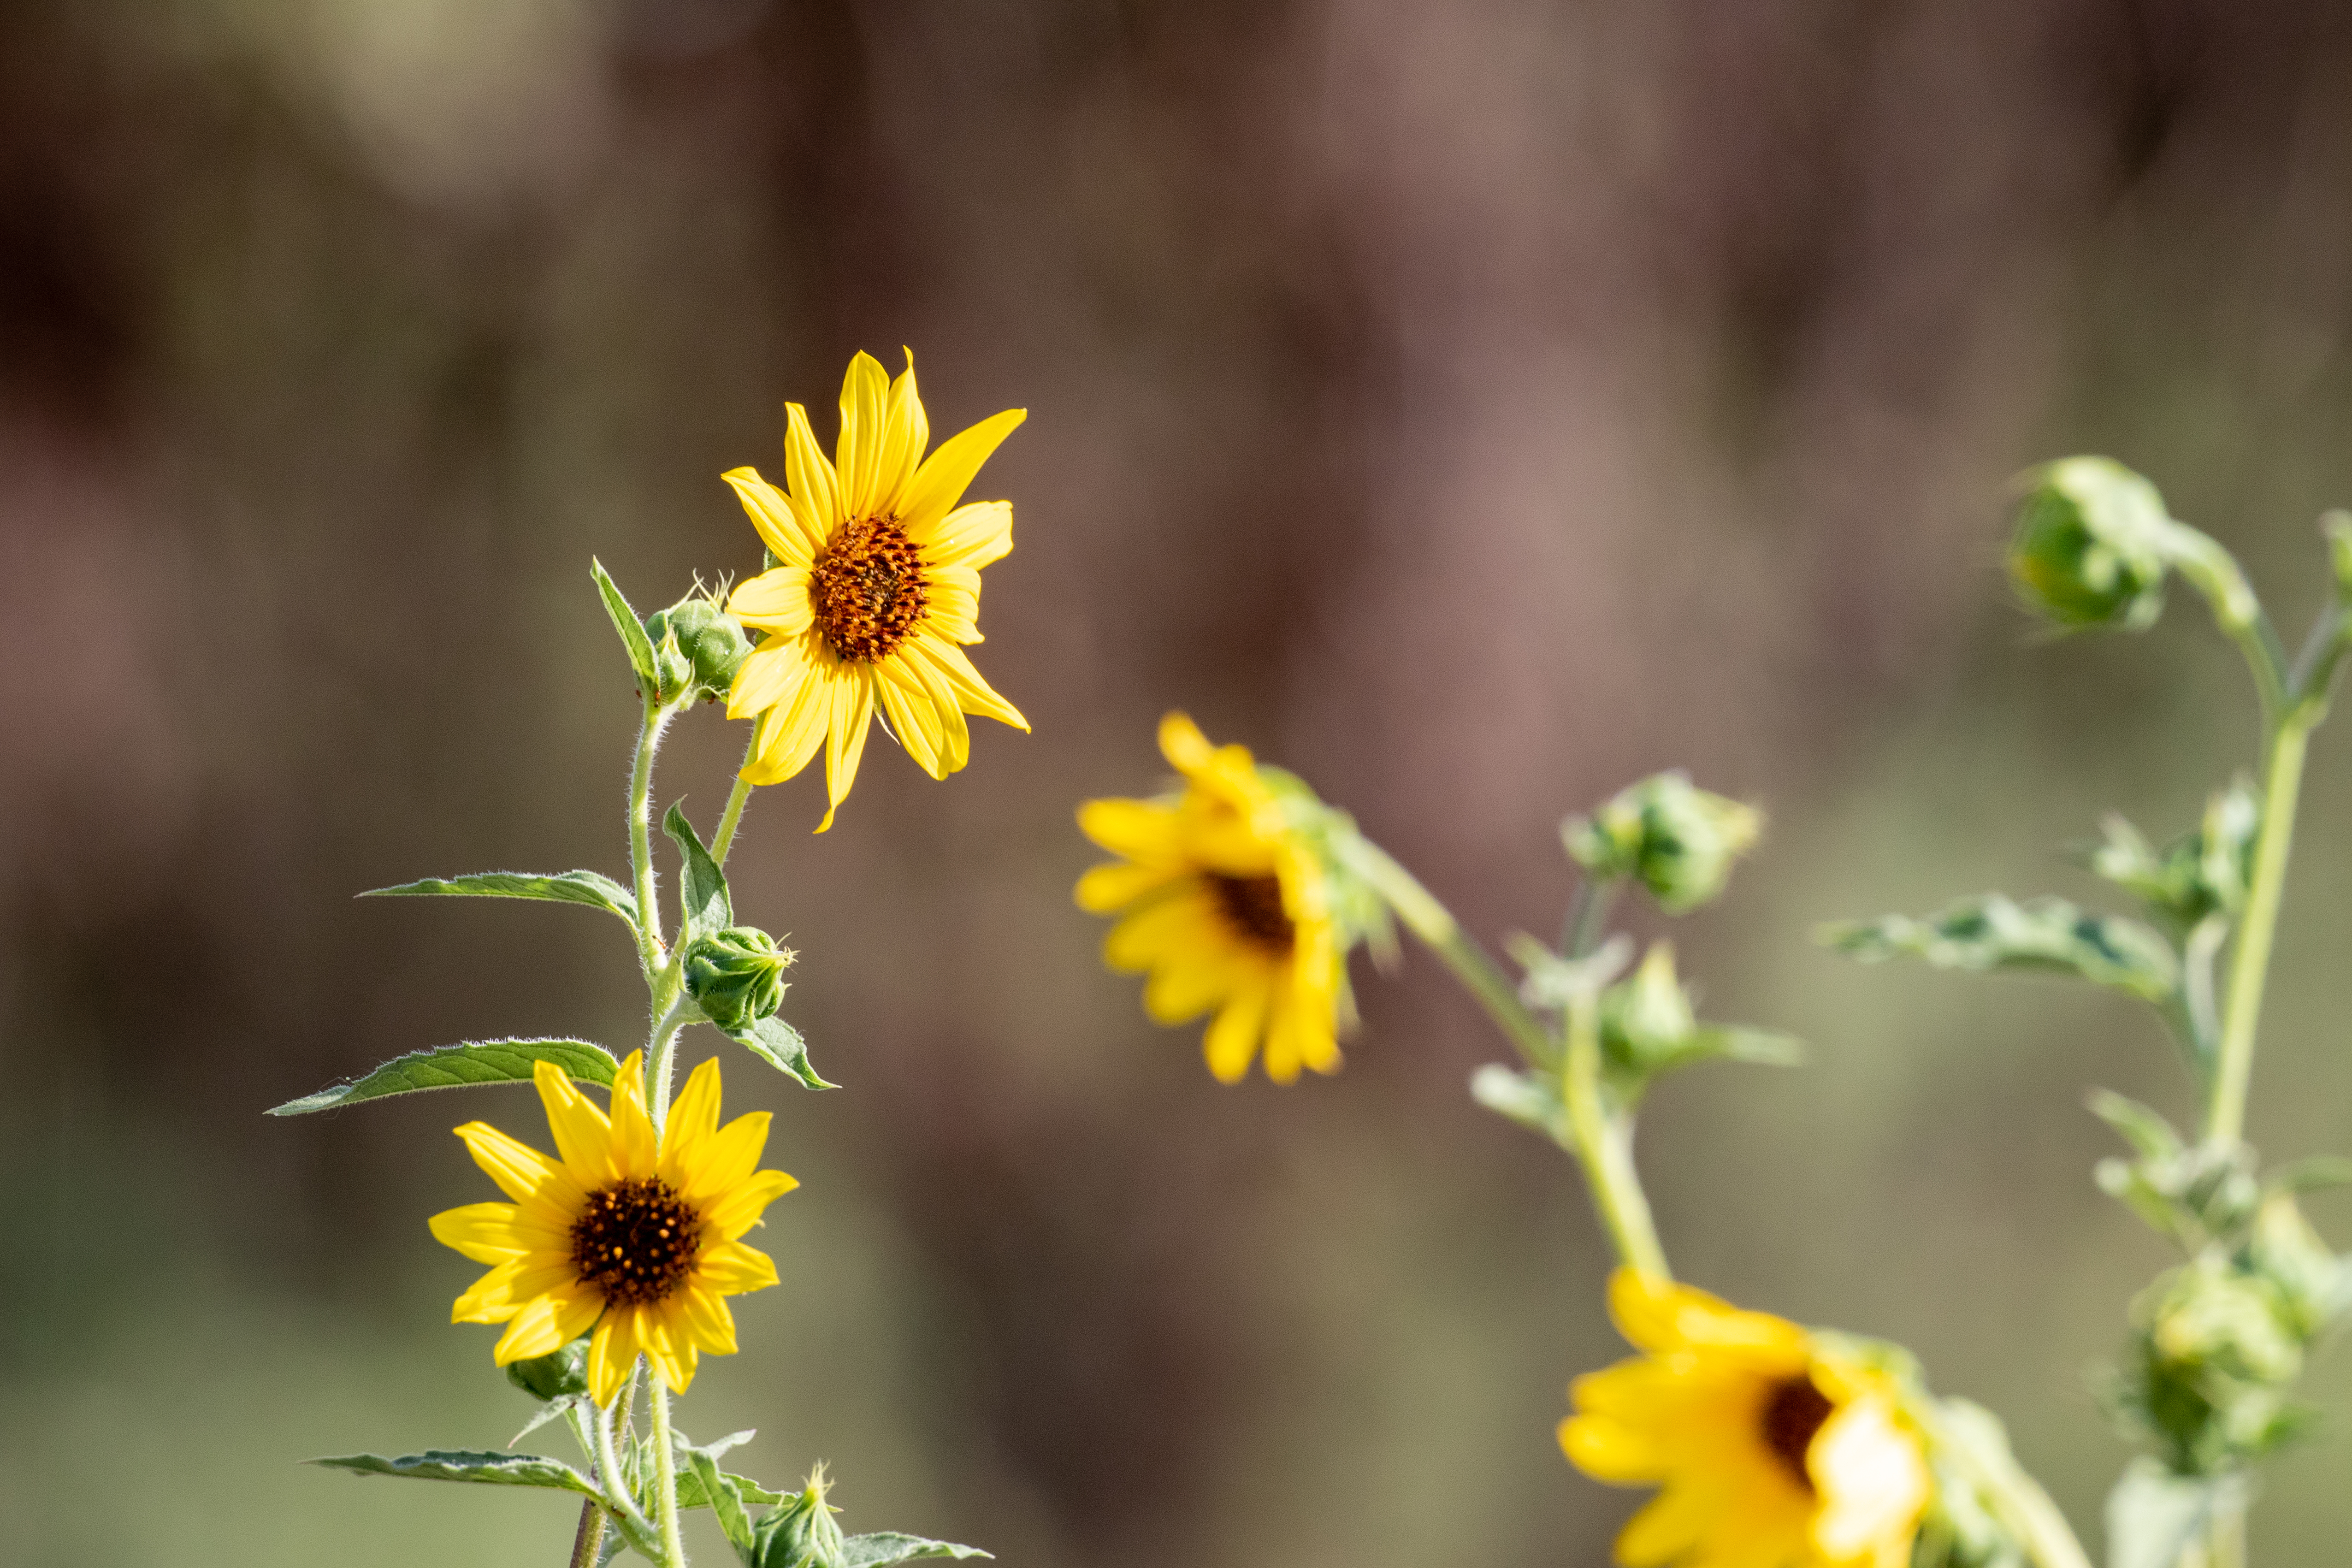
x=636, y=1237
x=1226, y=906
x=1773, y=1450
x=877, y=584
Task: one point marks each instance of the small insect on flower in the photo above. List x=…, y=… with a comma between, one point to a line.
x=1772, y=1450
x=637, y=1238
x=877, y=584
x=1227, y=906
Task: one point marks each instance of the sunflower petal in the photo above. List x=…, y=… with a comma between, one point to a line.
x=708, y=1320
x=776, y=602
x=940, y=482
x=1231, y=1039
x=815, y=486
x=858, y=458
x=777, y=518
x=732, y=1268
x=907, y=431
x=973, y=536
x=972, y=694
x=693, y=1121
x=584, y=1135
x=790, y=731
x=635, y=1149
x=739, y=1210
x=911, y=716
x=611, y=1353
x=522, y=1171
x=486, y=1233
x=844, y=739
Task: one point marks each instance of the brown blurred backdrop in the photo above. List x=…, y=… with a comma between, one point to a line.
x=1471, y=405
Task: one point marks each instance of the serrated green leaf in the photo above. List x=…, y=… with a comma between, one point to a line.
x=588, y=889
x=779, y=1045
x=483, y=1467
x=454, y=1067
x=719, y=1491
x=885, y=1547
x=1994, y=931
x=709, y=908
x=625, y=621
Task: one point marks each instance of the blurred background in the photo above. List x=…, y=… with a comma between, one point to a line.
x=1471, y=406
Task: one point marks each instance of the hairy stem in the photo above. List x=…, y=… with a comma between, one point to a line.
x=641, y=849
x=2225, y=1115
x=609, y=1474
x=665, y=1481
x=730, y=819
x=661, y=1055
x=588, y=1541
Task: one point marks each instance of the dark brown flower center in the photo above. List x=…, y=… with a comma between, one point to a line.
x=868, y=590
x=1793, y=1411
x=1253, y=906
x=636, y=1241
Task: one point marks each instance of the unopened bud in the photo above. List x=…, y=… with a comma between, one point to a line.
x=1646, y=1018
x=1677, y=840
x=554, y=1375
x=710, y=646
x=735, y=975
x=2091, y=545
x=799, y=1533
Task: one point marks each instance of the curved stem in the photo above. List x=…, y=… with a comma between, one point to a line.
x=1605, y=1147
x=641, y=849
x=666, y=1482
x=661, y=1054
x=608, y=1464
x=588, y=1542
x=2225, y=1117
x=1455, y=948
x=732, y=816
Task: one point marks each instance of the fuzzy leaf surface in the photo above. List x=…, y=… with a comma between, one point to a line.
x=1994, y=931
x=454, y=1067
x=885, y=1547
x=709, y=908
x=624, y=621
x=483, y=1467
x=779, y=1045
x=590, y=890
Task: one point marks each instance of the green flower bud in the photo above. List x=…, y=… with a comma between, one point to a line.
x=1646, y=1020
x=2313, y=1284
x=2093, y=545
x=710, y=646
x=735, y=975
x=2215, y=1321
x=1674, y=838
x=799, y=1533
x=554, y=1375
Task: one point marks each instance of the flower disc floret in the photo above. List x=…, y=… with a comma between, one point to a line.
x=1226, y=906
x=875, y=589
x=1771, y=1448
x=635, y=1235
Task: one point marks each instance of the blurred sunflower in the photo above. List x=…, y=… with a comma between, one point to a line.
x=637, y=1238
x=1773, y=1451
x=1226, y=906
x=876, y=582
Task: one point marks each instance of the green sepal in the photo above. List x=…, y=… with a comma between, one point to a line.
x=779, y=1045
x=885, y=1547
x=456, y=1067
x=707, y=908
x=1994, y=931
x=632, y=630
x=554, y=1375
x=590, y=890
x=481, y=1467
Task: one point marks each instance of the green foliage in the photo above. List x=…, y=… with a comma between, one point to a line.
x=2203, y=872
x=735, y=975
x=886, y=1547
x=1993, y=932
x=2154, y=1514
x=454, y=1067
x=2093, y=545
x=779, y=1045
x=708, y=909
x=555, y=1375
x=1677, y=840
x=640, y=648
x=584, y=888
x=483, y=1467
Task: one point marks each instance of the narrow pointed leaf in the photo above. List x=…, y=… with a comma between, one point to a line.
x=480, y=1466
x=780, y=1045
x=625, y=621
x=454, y=1067
x=882, y=1549
x=720, y=1492
x=709, y=908
x=588, y=889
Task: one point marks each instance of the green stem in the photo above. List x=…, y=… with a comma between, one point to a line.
x=666, y=1482
x=1588, y=915
x=641, y=847
x=588, y=1541
x=610, y=1476
x=2225, y=1118
x=1455, y=948
x=1601, y=1145
x=1605, y=1147
x=2226, y=1536
x=661, y=1054
x=733, y=815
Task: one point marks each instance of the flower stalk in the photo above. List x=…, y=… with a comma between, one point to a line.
x=2225, y=1117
